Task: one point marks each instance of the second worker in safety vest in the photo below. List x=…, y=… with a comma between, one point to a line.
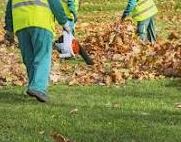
x=71, y=11
x=33, y=21
x=143, y=12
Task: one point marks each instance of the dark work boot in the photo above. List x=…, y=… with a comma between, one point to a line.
x=29, y=93
x=41, y=97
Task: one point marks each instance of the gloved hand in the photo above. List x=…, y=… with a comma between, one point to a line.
x=67, y=27
x=9, y=36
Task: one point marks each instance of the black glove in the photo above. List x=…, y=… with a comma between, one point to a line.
x=9, y=36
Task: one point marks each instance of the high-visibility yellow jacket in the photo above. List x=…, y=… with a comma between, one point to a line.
x=144, y=10
x=32, y=13
x=67, y=9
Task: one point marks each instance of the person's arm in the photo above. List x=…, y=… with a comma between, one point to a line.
x=71, y=6
x=8, y=17
x=131, y=5
x=57, y=9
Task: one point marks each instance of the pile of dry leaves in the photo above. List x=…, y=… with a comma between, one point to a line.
x=118, y=55
x=12, y=71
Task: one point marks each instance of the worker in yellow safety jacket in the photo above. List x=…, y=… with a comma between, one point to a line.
x=71, y=11
x=33, y=21
x=143, y=12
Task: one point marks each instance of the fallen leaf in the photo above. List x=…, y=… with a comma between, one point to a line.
x=74, y=111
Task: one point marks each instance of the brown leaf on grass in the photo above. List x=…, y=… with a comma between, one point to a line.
x=42, y=132
x=116, y=105
x=74, y=111
x=178, y=105
x=59, y=137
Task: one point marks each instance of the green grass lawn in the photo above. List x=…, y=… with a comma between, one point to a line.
x=136, y=112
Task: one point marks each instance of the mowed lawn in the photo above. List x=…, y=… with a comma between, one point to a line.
x=136, y=112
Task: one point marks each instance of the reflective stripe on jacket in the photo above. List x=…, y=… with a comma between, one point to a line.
x=67, y=10
x=144, y=10
x=32, y=13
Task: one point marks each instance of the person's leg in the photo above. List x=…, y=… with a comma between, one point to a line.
x=42, y=50
x=142, y=29
x=72, y=25
x=26, y=47
x=151, y=31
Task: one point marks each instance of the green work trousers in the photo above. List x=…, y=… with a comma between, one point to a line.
x=146, y=30
x=36, y=50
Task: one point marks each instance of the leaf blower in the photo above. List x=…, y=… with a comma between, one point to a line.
x=73, y=49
